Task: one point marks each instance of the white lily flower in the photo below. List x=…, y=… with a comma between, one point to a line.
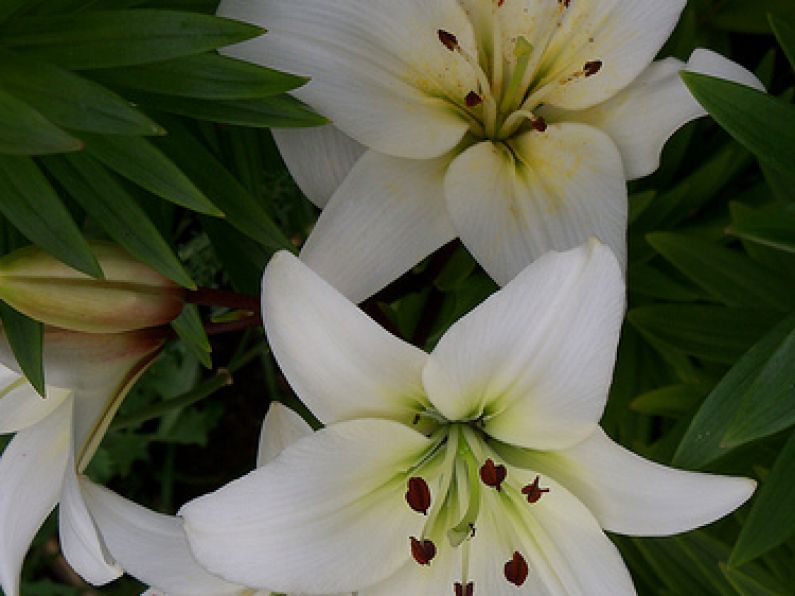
x=512, y=124
x=56, y=438
x=477, y=469
x=153, y=548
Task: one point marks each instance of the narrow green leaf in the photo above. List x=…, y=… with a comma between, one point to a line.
x=772, y=519
x=768, y=405
x=714, y=333
x=24, y=131
x=70, y=100
x=747, y=584
x=775, y=228
x=205, y=76
x=673, y=401
x=727, y=275
x=31, y=204
x=189, y=328
x=278, y=111
x=748, y=17
x=784, y=30
x=106, y=201
x=764, y=124
x=9, y=7
x=26, y=338
x=701, y=444
x=242, y=210
x=104, y=39
x=646, y=280
x=142, y=163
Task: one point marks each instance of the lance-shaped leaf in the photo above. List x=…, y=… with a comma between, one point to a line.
x=784, y=29
x=31, y=204
x=24, y=131
x=103, y=39
x=141, y=162
x=26, y=338
x=71, y=100
x=775, y=229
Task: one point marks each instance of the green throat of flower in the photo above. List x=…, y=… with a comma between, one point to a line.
x=511, y=89
x=467, y=481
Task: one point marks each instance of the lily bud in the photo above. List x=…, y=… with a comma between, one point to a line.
x=132, y=295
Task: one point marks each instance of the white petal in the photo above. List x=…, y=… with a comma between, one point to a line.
x=281, y=428
x=536, y=358
x=642, y=117
x=32, y=469
x=20, y=405
x=339, y=361
x=565, y=548
x=634, y=496
x=568, y=186
x=327, y=515
x=80, y=541
x=318, y=158
x=378, y=68
x=387, y=216
x=624, y=35
x=151, y=546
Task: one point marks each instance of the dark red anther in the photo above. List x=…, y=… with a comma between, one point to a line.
x=418, y=495
x=473, y=99
x=467, y=590
x=539, y=124
x=423, y=551
x=592, y=67
x=493, y=475
x=516, y=570
x=533, y=491
x=448, y=40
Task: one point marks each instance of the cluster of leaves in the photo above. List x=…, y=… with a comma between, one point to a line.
x=705, y=377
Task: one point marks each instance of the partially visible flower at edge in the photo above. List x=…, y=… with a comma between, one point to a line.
x=475, y=469
x=511, y=124
x=153, y=548
x=88, y=375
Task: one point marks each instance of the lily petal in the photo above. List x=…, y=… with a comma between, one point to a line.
x=82, y=546
x=318, y=517
x=642, y=117
x=622, y=35
x=377, y=68
x=339, y=361
x=631, y=495
x=20, y=405
x=318, y=158
x=567, y=551
x=534, y=361
x=387, y=216
x=32, y=468
x=550, y=191
x=150, y=546
x=281, y=428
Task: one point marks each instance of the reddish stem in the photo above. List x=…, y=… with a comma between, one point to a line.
x=232, y=326
x=212, y=297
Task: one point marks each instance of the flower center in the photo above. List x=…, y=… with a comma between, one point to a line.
x=510, y=89
x=462, y=470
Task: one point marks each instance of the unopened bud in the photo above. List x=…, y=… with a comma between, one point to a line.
x=132, y=295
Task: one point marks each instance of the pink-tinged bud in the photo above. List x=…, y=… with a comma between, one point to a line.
x=132, y=295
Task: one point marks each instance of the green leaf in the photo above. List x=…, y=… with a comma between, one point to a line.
x=24, y=131
x=727, y=275
x=772, y=518
x=768, y=405
x=764, y=124
x=104, y=39
x=106, y=201
x=141, y=162
x=70, y=100
x=205, y=76
x=672, y=401
x=646, y=280
x=784, y=31
x=775, y=228
x=242, y=210
x=747, y=584
x=188, y=326
x=31, y=204
x=26, y=338
x=748, y=17
x=714, y=333
x=701, y=444
x=278, y=111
